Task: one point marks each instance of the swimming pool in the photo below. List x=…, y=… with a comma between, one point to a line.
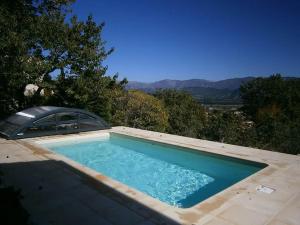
x=175, y=175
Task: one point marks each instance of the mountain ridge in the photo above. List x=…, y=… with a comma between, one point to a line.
x=231, y=84
x=205, y=91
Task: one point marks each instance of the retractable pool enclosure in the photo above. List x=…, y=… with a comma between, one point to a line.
x=50, y=120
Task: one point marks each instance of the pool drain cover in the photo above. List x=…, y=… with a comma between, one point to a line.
x=265, y=189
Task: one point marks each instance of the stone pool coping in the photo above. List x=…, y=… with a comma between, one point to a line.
x=239, y=204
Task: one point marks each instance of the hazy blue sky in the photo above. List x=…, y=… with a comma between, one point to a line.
x=209, y=39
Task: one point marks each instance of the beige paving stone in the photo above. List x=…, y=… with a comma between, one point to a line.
x=284, y=183
x=184, y=216
x=239, y=215
x=279, y=195
x=204, y=219
x=291, y=212
x=278, y=222
x=262, y=202
x=13, y=157
x=74, y=194
x=217, y=221
x=213, y=205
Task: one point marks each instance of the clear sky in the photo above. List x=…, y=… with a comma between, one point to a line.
x=205, y=39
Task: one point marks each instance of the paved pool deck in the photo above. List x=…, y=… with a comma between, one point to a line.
x=58, y=190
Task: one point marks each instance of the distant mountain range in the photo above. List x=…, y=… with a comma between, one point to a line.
x=207, y=92
x=230, y=84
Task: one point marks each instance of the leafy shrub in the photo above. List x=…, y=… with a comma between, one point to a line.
x=186, y=115
x=140, y=110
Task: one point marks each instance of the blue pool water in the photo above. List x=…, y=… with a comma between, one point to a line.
x=178, y=176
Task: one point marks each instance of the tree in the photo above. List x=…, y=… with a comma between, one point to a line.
x=274, y=105
x=186, y=115
x=140, y=110
x=229, y=127
x=263, y=96
x=37, y=39
x=82, y=82
x=17, y=20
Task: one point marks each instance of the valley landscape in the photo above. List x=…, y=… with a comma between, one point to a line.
x=222, y=94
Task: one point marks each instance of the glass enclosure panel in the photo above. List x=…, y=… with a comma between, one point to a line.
x=63, y=117
x=47, y=119
x=18, y=119
x=67, y=122
x=83, y=116
x=39, y=130
x=88, y=124
x=7, y=127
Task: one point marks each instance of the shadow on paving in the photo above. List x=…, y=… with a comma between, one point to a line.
x=56, y=193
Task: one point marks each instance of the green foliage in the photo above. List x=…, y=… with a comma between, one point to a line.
x=274, y=105
x=271, y=97
x=222, y=127
x=94, y=93
x=16, y=22
x=37, y=38
x=140, y=110
x=229, y=127
x=186, y=115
